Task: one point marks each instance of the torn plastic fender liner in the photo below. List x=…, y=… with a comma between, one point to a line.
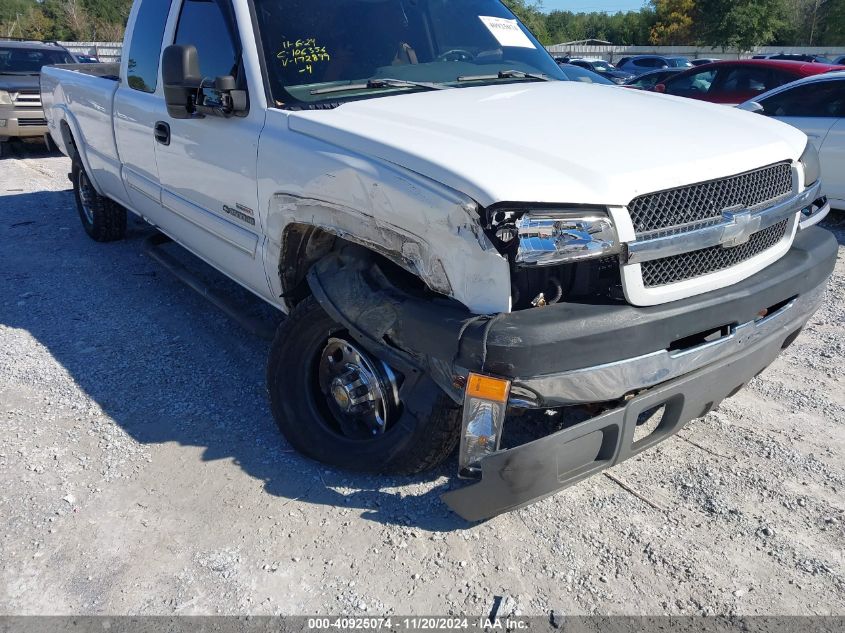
x=404, y=330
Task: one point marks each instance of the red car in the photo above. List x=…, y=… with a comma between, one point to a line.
x=735, y=82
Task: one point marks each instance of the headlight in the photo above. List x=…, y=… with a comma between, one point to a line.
x=548, y=237
x=812, y=165
x=5, y=98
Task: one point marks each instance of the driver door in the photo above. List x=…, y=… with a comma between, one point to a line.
x=208, y=165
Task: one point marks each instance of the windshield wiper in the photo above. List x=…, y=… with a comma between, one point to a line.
x=377, y=84
x=507, y=74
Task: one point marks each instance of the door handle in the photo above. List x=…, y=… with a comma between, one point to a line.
x=162, y=132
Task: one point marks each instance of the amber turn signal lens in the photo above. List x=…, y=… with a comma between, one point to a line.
x=487, y=388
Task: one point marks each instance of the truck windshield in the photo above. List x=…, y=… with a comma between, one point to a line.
x=28, y=61
x=314, y=45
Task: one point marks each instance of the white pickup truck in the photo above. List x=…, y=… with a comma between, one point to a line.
x=452, y=228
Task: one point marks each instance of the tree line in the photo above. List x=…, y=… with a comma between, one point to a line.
x=71, y=20
x=741, y=24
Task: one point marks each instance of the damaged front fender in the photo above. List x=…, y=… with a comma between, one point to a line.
x=421, y=225
x=406, y=331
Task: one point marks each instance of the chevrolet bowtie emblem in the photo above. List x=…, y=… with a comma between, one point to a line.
x=742, y=226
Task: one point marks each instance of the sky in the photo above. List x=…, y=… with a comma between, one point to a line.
x=587, y=6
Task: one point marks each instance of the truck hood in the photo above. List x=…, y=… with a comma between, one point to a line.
x=555, y=142
x=16, y=83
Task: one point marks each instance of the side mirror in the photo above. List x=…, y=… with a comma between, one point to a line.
x=661, y=88
x=188, y=95
x=180, y=71
x=752, y=106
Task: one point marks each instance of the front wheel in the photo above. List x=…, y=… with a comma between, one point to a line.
x=338, y=404
x=103, y=219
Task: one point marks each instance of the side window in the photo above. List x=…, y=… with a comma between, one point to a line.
x=145, y=48
x=691, y=84
x=648, y=82
x=809, y=100
x=202, y=24
x=746, y=81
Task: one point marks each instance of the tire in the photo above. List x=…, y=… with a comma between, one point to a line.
x=303, y=411
x=103, y=219
x=4, y=148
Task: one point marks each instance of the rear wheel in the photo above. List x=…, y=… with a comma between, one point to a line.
x=103, y=219
x=340, y=405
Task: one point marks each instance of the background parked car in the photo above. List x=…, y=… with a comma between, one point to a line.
x=640, y=64
x=603, y=68
x=703, y=60
x=796, y=57
x=816, y=106
x=733, y=82
x=21, y=115
x=649, y=80
x=87, y=59
x=840, y=61
x=576, y=73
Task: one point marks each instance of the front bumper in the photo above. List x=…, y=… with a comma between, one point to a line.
x=603, y=383
x=517, y=477
x=688, y=356
x=558, y=355
x=22, y=123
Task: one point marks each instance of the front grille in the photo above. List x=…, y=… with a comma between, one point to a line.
x=32, y=122
x=696, y=203
x=28, y=99
x=671, y=270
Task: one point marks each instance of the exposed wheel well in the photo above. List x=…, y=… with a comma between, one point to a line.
x=70, y=142
x=303, y=245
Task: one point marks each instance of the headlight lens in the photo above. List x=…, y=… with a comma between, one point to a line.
x=548, y=238
x=5, y=98
x=812, y=165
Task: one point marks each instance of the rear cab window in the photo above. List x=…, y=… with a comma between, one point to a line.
x=145, y=48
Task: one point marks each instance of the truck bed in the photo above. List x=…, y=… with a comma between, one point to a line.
x=83, y=96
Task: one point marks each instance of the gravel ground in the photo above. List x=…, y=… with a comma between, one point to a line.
x=142, y=472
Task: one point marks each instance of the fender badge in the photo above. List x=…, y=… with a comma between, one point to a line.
x=242, y=213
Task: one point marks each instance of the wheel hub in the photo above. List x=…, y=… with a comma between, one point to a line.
x=86, y=195
x=361, y=393
x=355, y=391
